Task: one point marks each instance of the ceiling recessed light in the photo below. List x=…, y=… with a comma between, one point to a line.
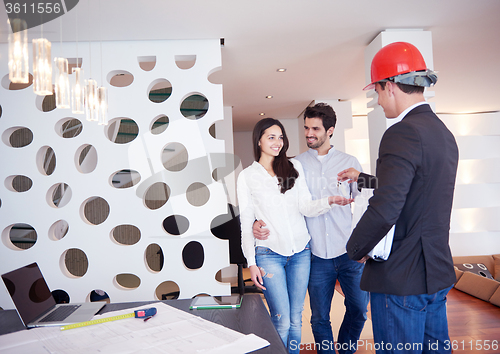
x=281, y=70
x=262, y=114
x=269, y=96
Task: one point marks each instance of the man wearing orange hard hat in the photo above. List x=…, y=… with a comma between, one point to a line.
x=416, y=171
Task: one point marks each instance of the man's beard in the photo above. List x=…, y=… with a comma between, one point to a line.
x=316, y=143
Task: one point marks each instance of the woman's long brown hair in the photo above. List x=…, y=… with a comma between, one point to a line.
x=286, y=173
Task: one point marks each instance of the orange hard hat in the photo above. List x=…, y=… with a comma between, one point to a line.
x=395, y=60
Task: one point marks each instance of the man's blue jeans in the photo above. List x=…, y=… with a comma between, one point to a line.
x=410, y=324
x=324, y=275
x=285, y=279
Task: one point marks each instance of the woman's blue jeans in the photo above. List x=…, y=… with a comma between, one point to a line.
x=285, y=279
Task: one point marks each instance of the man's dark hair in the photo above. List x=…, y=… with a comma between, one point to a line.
x=324, y=112
x=409, y=89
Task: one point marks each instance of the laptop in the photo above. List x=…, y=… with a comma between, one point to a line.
x=36, y=306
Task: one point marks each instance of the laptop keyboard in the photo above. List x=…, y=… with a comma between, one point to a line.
x=60, y=313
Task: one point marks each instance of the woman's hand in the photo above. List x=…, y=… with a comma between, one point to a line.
x=256, y=277
x=337, y=199
x=350, y=174
x=260, y=231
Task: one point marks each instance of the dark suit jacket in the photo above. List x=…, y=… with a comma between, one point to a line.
x=367, y=181
x=416, y=172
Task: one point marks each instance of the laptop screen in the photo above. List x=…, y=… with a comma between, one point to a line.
x=29, y=292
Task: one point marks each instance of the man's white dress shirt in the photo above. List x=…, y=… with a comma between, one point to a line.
x=331, y=231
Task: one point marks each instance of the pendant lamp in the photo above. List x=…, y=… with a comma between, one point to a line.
x=91, y=100
x=42, y=67
x=103, y=105
x=62, y=83
x=77, y=92
x=18, y=52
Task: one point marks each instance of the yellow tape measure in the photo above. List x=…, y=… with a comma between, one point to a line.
x=101, y=320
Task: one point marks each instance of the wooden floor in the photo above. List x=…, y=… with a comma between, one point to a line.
x=473, y=325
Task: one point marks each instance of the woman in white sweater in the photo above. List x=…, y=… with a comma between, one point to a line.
x=273, y=189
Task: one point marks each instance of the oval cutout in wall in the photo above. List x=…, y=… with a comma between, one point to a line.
x=60, y=296
x=125, y=178
x=193, y=255
x=212, y=131
x=147, y=63
x=128, y=280
x=168, y=290
x=21, y=236
x=18, y=183
x=99, y=295
x=185, y=61
x=215, y=76
x=197, y=194
x=156, y=195
x=159, y=90
x=160, y=124
x=120, y=78
x=58, y=230
x=86, y=158
x=194, y=107
x=122, y=130
x=46, y=103
x=46, y=160
x=76, y=262
x=174, y=157
x=74, y=63
x=95, y=210
x=218, y=276
x=9, y=85
x=176, y=224
x=224, y=225
x=154, y=257
x=126, y=234
x=69, y=128
x=17, y=137
x=59, y=195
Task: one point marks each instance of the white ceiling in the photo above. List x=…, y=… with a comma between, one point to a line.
x=320, y=42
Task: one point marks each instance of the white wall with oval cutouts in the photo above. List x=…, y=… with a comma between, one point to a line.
x=125, y=208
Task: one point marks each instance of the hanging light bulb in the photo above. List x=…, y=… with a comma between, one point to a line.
x=42, y=67
x=62, y=83
x=77, y=92
x=18, y=52
x=77, y=85
x=103, y=105
x=91, y=100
